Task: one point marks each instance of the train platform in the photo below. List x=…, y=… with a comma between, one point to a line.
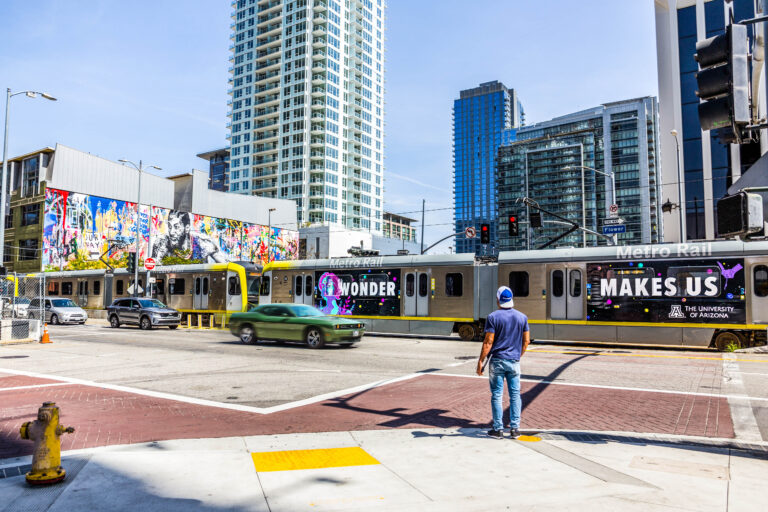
x=430, y=469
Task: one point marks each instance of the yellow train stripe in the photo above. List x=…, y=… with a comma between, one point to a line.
x=652, y=324
x=240, y=270
x=291, y=460
x=659, y=356
x=427, y=318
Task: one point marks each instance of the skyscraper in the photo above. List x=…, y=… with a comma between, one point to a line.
x=307, y=107
x=568, y=164
x=708, y=166
x=483, y=118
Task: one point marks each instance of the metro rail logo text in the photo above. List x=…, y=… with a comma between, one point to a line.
x=665, y=251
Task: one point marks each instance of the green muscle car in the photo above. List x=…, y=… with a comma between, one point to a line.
x=294, y=322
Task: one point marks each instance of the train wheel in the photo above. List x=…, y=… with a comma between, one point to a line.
x=467, y=332
x=314, y=338
x=726, y=339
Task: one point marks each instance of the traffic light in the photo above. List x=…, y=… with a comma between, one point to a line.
x=536, y=219
x=723, y=81
x=485, y=233
x=740, y=215
x=513, y=229
x=131, y=266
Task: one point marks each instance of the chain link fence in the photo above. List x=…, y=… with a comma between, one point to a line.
x=22, y=308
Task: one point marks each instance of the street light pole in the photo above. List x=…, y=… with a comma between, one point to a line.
x=603, y=173
x=681, y=207
x=3, y=193
x=139, y=168
x=269, y=235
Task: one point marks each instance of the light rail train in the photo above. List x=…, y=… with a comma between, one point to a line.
x=711, y=294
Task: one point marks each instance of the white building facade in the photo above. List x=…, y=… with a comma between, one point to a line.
x=307, y=107
x=707, y=167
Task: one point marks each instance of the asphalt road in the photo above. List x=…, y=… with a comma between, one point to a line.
x=215, y=366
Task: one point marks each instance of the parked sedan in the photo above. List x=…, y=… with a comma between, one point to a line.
x=57, y=311
x=146, y=313
x=294, y=322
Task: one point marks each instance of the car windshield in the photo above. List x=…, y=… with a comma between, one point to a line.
x=22, y=300
x=63, y=303
x=307, y=311
x=151, y=303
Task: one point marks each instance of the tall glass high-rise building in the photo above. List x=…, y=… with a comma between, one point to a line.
x=483, y=118
x=565, y=165
x=307, y=107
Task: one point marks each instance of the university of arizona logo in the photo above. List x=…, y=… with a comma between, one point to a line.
x=676, y=312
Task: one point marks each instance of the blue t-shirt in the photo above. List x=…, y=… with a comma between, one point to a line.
x=508, y=326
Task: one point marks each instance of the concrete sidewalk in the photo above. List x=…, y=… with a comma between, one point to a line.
x=403, y=470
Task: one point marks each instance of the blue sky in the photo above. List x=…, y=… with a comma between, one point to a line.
x=148, y=79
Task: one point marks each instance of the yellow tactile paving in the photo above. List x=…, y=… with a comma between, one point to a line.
x=529, y=439
x=312, y=459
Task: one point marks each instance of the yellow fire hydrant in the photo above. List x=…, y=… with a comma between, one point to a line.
x=46, y=458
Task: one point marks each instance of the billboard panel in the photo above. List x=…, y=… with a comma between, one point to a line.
x=703, y=291
x=358, y=292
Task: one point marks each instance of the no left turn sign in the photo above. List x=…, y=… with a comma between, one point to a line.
x=470, y=232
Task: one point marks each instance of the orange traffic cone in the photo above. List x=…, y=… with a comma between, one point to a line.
x=45, y=338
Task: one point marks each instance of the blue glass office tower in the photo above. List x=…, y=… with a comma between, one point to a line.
x=707, y=165
x=483, y=119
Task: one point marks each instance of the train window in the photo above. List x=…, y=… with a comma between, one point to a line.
x=557, y=283
x=232, y=287
x=297, y=289
x=518, y=283
x=197, y=286
x=205, y=286
x=454, y=285
x=264, y=287
x=85, y=288
x=159, y=287
x=423, y=288
x=53, y=288
x=409, y=285
x=97, y=287
x=119, y=287
x=66, y=288
x=761, y=280
x=309, y=288
x=574, y=283
x=176, y=287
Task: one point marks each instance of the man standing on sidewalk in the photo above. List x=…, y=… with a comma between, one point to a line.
x=506, y=338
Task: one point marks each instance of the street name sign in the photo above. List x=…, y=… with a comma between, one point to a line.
x=612, y=230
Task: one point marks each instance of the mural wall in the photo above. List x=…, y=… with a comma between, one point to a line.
x=78, y=225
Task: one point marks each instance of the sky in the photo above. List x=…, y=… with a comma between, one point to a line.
x=147, y=79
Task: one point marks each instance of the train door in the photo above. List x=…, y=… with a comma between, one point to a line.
x=565, y=293
x=303, y=289
x=200, y=292
x=82, y=292
x=416, y=294
x=759, y=294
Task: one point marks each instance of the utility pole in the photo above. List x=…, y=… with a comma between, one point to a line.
x=423, y=203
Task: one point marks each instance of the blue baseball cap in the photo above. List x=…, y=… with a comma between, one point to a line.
x=504, y=296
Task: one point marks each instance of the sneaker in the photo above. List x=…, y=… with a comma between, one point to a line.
x=498, y=434
x=514, y=433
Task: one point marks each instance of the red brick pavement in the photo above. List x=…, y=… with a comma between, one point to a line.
x=106, y=417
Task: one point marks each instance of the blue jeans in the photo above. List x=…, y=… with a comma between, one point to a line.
x=505, y=369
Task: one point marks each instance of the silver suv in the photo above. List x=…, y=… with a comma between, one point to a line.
x=146, y=313
x=58, y=311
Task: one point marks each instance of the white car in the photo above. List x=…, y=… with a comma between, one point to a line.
x=58, y=311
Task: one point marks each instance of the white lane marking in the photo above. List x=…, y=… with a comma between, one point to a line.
x=57, y=335
x=211, y=403
x=618, y=388
x=744, y=422
x=36, y=386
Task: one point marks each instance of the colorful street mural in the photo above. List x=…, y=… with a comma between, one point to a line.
x=81, y=225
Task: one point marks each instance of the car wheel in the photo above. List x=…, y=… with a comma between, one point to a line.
x=114, y=322
x=145, y=323
x=172, y=327
x=314, y=338
x=247, y=335
x=54, y=320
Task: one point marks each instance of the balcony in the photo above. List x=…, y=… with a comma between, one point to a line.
x=267, y=18
x=319, y=30
x=318, y=54
x=315, y=128
x=319, y=42
x=317, y=141
x=268, y=64
x=267, y=99
x=264, y=184
x=263, y=148
x=318, y=91
x=318, y=104
x=317, y=154
x=269, y=29
x=265, y=112
x=265, y=88
x=318, y=78
x=272, y=134
x=265, y=53
x=265, y=124
x=320, y=6
x=263, y=41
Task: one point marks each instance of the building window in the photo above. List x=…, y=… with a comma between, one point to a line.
x=454, y=285
x=30, y=172
x=28, y=249
x=518, y=283
x=30, y=214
